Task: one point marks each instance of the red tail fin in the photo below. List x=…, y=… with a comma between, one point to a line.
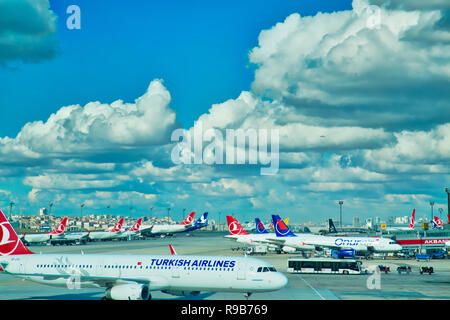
x=188, y=219
x=10, y=243
x=117, y=227
x=411, y=222
x=60, y=228
x=234, y=227
x=172, y=250
x=136, y=226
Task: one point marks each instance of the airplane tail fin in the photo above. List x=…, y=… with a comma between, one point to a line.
x=411, y=221
x=10, y=243
x=259, y=226
x=437, y=223
x=234, y=227
x=281, y=229
x=331, y=226
x=172, y=250
x=137, y=225
x=202, y=220
x=61, y=227
x=188, y=219
x=118, y=226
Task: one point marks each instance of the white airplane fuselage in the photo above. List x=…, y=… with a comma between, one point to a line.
x=168, y=228
x=361, y=244
x=104, y=235
x=40, y=237
x=171, y=273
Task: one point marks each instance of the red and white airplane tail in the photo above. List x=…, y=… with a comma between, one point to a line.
x=234, y=227
x=411, y=221
x=117, y=227
x=172, y=250
x=136, y=226
x=60, y=228
x=189, y=219
x=10, y=243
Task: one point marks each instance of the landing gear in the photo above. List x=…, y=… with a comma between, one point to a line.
x=247, y=295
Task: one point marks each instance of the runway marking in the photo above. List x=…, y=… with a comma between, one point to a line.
x=317, y=292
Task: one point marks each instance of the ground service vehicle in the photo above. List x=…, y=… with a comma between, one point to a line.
x=325, y=266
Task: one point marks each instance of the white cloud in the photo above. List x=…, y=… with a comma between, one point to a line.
x=27, y=31
x=97, y=127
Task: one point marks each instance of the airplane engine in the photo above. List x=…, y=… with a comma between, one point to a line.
x=128, y=292
x=181, y=293
x=289, y=249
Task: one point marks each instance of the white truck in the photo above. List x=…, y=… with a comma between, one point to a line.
x=257, y=249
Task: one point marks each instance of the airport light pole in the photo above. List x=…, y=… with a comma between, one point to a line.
x=10, y=210
x=50, y=209
x=431, y=205
x=151, y=210
x=107, y=210
x=340, y=212
x=448, y=203
x=81, y=211
x=168, y=215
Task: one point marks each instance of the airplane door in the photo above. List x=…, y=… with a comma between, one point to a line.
x=241, y=271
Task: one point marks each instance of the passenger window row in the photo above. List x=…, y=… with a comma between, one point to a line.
x=132, y=267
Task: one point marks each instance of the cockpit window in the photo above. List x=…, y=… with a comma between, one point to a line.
x=266, y=269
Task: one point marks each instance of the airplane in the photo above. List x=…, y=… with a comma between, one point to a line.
x=58, y=232
x=168, y=229
x=133, y=277
x=359, y=244
x=132, y=231
x=112, y=233
x=71, y=238
x=200, y=223
x=409, y=227
x=238, y=234
x=342, y=231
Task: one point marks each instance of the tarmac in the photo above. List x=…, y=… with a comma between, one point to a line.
x=392, y=286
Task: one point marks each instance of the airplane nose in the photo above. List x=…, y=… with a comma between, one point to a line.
x=280, y=281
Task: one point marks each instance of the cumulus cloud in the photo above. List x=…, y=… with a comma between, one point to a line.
x=95, y=129
x=27, y=31
x=334, y=68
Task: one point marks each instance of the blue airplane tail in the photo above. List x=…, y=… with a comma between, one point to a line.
x=259, y=226
x=202, y=220
x=281, y=229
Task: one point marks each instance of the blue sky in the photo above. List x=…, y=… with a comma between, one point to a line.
x=356, y=121
x=191, y=45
